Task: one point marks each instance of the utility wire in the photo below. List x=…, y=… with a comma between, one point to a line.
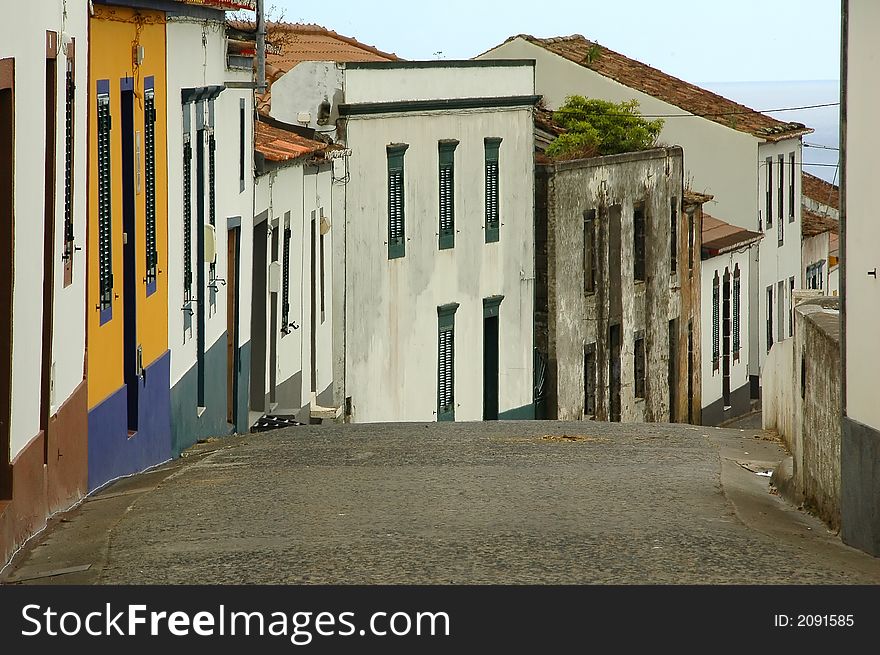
x=746, y=112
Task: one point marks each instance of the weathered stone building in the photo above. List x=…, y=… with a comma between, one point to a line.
x=616, y=256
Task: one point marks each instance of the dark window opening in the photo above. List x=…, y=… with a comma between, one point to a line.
x=285, y=276
x=769, y=317
x=639, y=244
x=321, y=248
x=589, y=254
x=781, y=201
x=769, y=191
x=446, y=362
x=736, y=312
x=639, y=366
x=590, y=380
x=152, y=258
x=7, y=256
x=791, y=182
x=69, y=109
x=791, y=306
x=690, y=242
x=673, y=236
x=241, y=145
x=105, y=226
x=187, y=206
x=716, y=339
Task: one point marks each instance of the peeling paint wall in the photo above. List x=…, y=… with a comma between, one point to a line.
x=568, y=319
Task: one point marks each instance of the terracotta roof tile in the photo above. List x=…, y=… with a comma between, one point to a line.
x=694, y=198
x=834, y=246
x=672, y=90
x=813, y=223
x=720, y=237
x=820, y=191
x=277, y=144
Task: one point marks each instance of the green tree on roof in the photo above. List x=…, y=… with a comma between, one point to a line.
x=598, y=127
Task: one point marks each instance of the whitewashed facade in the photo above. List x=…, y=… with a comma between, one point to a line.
x=726, y=161
x=404, y=291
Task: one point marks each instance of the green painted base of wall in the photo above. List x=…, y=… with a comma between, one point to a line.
x=187, y=427
x=526, y=412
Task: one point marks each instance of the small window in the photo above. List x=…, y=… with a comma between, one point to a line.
x=446, y=362
x=590, y=380
x=446, y=155
x=152, y=256
x=736, y=312
x=285, y=276
x=212, y=182
x=791, y=203
x=396, y=209
x=589, y=254
x=105, y=206
x=639, y=366
x=639, y=243
x=791, y=306
x=769, y=191
x=673, y=236
x=716, y=336
x=781, y=200
x=321, y=247
x=690, y=243
x=493, y=214
x=769, y=317
x=780, y=304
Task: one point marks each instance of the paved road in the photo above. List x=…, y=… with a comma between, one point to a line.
x=507, y=502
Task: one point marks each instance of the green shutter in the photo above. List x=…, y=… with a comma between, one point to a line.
x=446, y=362
x=493, y=213
x=446, y=152
x=396, y=209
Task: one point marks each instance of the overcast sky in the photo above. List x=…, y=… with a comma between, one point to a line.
x=701, y=41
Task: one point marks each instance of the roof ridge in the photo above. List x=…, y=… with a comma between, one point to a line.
x=315, y=28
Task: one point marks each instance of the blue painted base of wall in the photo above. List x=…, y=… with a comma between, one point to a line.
x=187, y=426
x=518, y=413
x=112, y=452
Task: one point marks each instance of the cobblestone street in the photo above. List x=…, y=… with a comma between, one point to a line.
x=453, y=503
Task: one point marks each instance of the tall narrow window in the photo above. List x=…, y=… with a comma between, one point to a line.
x=321, y=248
x=769, y=317
x=791, y=306
x=212, y=181
x=493, y=212
x=69, y=109
x=590, y=251
x=780, y=309
x=716, y=337
x=241, y=146
x=7, y=255
x=446, y=155
x=791, y=205
x=446, y=362
x=396, y=193
x=105, y=226
x=736, y=320
x=769, y=191
x=150, y=183
x=639, y=366
x=187, y=205
x=780, y=191
x=285, y=276
x=590, y=380
x=673, y=235
x=639, y=243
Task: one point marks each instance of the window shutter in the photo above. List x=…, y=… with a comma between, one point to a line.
x=187, y=205
x=639, y=244
x=639, y=366
x=285, y=283
x=446, y=152
x=152, y=258
x=446, y=362
x=791, y=205
x=105, y=218
x=769, y=164
x=590, y=380
x=396, y=209
x=673, y=236
x=69, y=107
x=736, y=295
x=492, y=147
x=715, y=324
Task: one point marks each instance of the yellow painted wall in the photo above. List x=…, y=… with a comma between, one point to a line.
x=115, y=32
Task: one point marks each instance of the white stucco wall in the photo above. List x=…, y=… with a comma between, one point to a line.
x=197, y=65
x=391, y=305
x=862, y=228
x=718, y=160
x=712, y=380
x=24, y=39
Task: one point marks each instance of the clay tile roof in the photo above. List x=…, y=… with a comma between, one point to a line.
x=813, y=223
x=819, y=190
x=278, y=145
x=672, y=90
x=720, y=237
x=293, y=43
x=694, y=198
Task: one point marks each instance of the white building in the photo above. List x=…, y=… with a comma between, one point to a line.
x=43, y=164
x=750, y=162
x=727, y=253
x=860, y=286
x=438, y=251
x=210, y=212
x=819, y=233
x=291, y=366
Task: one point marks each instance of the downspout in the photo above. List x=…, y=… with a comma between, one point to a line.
x=844, y=36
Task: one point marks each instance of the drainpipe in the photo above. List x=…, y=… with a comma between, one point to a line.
x=841, y=271
x=261, y=47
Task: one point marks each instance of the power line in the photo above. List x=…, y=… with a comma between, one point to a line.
x=746, y=112
x=816, y=145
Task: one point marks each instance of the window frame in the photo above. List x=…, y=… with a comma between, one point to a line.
x=736, y=309
x=716, y=321
x=791, y=188
x=640, y=366
x=446, y=201
x=640, y=263
x=104, y=194
x=446, y=387
x=769, y=191
x=151, y=259
x=590, y=380
x=69, y=237
x=589, y=264
x=492, y=197
x=395, y=155
x=673, y=236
